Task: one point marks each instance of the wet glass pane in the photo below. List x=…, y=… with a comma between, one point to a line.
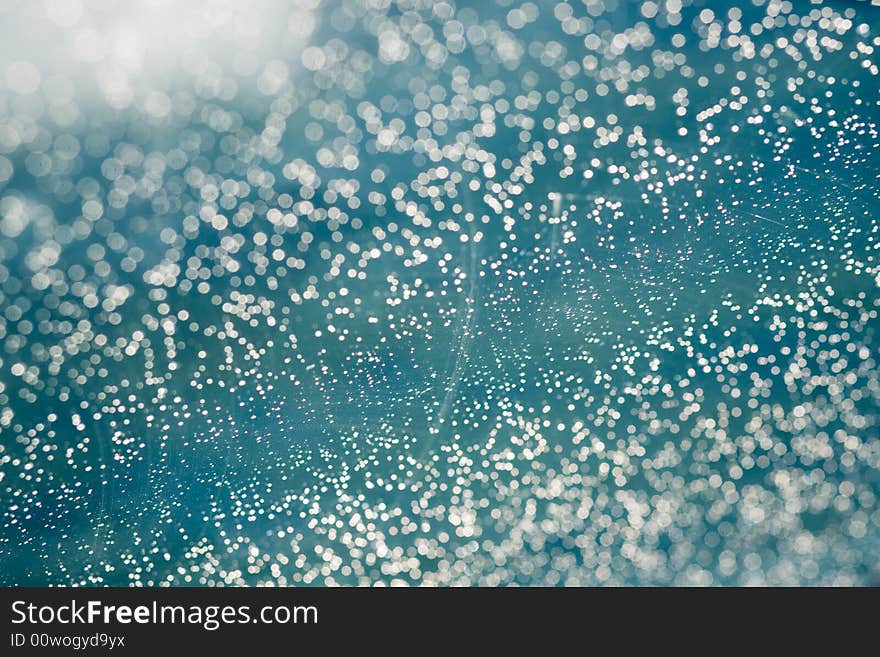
x=433, y=292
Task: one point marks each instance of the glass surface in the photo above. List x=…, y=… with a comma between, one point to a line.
x=372, y=292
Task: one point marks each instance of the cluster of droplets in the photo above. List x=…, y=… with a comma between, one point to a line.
x=408, y=292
